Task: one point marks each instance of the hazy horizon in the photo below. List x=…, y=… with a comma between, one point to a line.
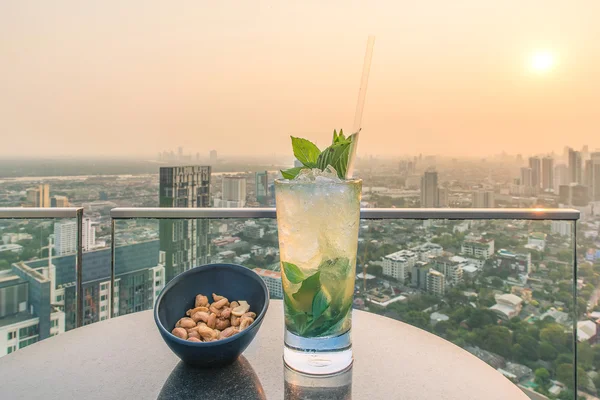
x=132, y=79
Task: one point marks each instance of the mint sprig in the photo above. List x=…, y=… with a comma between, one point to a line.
x=337, y=155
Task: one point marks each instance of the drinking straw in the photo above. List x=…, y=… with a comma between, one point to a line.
x=360, y=105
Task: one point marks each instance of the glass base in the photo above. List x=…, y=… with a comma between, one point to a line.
x=318, y=356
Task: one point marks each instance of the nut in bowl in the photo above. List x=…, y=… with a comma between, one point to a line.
x=210, y=314
x=209, y=322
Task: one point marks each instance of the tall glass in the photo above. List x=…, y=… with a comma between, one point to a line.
x=318, y=223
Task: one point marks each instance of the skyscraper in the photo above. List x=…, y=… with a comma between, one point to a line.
x=184, y=242
x=595, y=177
x=483, y=199
x=39, y=197
x=442, y=197
x=233, y=194
x=547, y=173
x=65, y=237
x=536, y=171
x=575, y=173
x=526, y=177
x=213, y=157
x=262, y=188
x=59, y=201
x=561, y=176
x=587, y=172
x=429, y=190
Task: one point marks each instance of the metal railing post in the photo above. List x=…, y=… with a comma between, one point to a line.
x=112, y=268
x=79, y=269
x=576, y=311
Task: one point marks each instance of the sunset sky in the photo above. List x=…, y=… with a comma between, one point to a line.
x=461, y=78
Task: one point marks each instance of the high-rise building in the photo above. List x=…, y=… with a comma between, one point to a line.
x=561, y=176
x=39, y=197
x=65, y=236
x=213, y=157
x=184, y=242
x=536, y=171
x=88, y=235
x=547, y=173
x=180, y=153
x=262, y=188
x=429, y=190
x=595, y=177
x=418, y=277
x=575, y=172
x=526, y=177
x=233, y=194
x=59, y=201
x=435, y=283
x=587, y=172
x=442, y=197
x=483, y=199
x=574, y=195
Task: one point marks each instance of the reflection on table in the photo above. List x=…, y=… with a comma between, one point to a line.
x=299, y=386
x=235, y=381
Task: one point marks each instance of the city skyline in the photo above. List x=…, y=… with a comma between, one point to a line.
x=253, y=73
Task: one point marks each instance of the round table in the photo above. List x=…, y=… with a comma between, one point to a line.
x=125, y=358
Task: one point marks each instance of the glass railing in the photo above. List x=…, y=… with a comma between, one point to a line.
x=40, y=274
x=500, y=283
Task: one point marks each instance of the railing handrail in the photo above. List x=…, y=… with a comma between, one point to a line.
x=39, y=212
x=556, y=214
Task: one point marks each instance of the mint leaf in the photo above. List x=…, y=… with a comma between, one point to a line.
x=292, y=272
x=305, y=151
x=305, y=295
x=337, y=156
x=335, y=137
x=320, y=304
x=291, y=173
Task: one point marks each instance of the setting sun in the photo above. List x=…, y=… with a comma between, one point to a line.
x=542, y=61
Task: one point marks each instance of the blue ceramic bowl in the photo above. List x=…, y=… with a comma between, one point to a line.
x=232, y=281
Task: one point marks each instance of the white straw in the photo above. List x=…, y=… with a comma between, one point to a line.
x=360, y=105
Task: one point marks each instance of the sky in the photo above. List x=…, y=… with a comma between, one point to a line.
x=132, y=78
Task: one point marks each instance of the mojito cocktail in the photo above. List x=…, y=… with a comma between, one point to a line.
x=318, y=219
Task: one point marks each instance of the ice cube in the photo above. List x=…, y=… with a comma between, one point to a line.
x=328, y=175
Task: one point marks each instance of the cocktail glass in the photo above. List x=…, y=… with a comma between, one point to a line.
x=318, y=219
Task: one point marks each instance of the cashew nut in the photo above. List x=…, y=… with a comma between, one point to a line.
x=212, y=320
x=200, y=316
x=180, y=333
x=206, y=333
x=222, y=324
x=193, y=311
x=241, y=309
x=221, y=303
x=234, y=304
x=214, y=310
x=246, y=321
x=201, y=301
x=235, y=321
x=225, y=313
x=232, y=330
x=187, y=323
x=250, y=314
x=193, y=333
x=193, y=339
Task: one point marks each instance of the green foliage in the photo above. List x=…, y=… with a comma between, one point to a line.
x=542, y=376
x=547, y=351
x=417, y=318
x=497, y=339
x=4, y=265
x=529, y=348
x=564, y=373
x=337, y=155
x=306, y=152
x=554, y=334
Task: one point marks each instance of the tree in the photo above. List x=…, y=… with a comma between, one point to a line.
x=417, y=318
x=547, y=351
x=4, y=265
x=480, y=318
x=529, y=347
x=498, y=339
x=564, y=373
x=554, y=334
x=542, y=376
x=497, y=282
